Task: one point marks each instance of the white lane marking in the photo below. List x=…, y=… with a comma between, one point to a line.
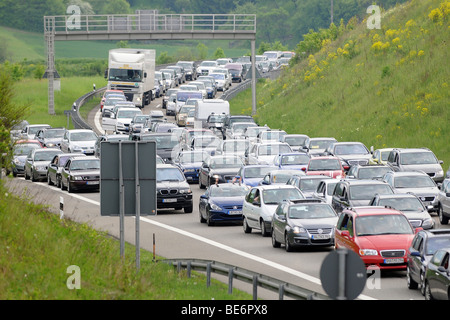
x=97, y=122
x=229, y=249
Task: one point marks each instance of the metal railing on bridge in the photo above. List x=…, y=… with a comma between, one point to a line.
x=142, y=23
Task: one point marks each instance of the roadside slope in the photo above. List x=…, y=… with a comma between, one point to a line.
x=386, y=87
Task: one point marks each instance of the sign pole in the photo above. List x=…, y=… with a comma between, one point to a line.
x=138, y=205
x=121, y=204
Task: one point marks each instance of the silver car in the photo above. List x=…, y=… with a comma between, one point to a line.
x=415, y=182
x=444, y=202
x=37, y=163
x=80, y=141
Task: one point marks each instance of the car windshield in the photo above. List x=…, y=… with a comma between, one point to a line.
x=311, y=211
x=281, y=176
x=128, y=114
x=54, y=133
x=270, y=55
x=256, y=172
x=207, y=142
x=320, y=144
x=45, y=156
x=403, y=204
x=436, y=243
x=226, y=162
x=83, y=136
x=110, y=101
x=190, y=157
x=275, y=196
x=414, y=182
x=350, y=149
x=24, y=148
x=218, y=76
x=186, y=109
x=370, y=173
x=418, y=158
x=367, y=192
x=85, y=165
x=295, y=140
x=241, y=126
x=140, y=119
x=228, y=191
x=184, y=96
x=253, y=132
x=126, y=75
x=208, y=64
x=169, y=174
x=324, y=164
x=162, y=142
x=294, y=159
x=309, y=185
x=382, y=224
x=235, y=146
x=34, y=130
x=272, y=135
x=272, y=150
x=216, y=119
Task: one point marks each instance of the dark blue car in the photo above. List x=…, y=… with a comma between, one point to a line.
x=222, y=203
x=251, y=175
x=190, y=162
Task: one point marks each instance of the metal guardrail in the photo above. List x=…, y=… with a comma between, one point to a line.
x=138, y=23
x=77, y=121
x=283, y=288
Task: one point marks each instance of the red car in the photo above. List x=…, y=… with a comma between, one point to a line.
x=381, y=236
x=108, y=92
x=327, y=166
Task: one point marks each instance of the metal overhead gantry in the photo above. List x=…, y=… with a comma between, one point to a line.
x=147, y=25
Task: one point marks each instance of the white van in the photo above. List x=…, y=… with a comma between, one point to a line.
x=203, y=108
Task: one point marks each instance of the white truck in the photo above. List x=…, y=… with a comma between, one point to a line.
x=133, y=72
x=203, y=108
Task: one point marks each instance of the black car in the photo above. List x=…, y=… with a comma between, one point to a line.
x=423, y=246
x=219, y=169
x=173, y=191
x=437, y=277
x=367, y=171
x=81, y=173
x=229, y=120
x=56, y=165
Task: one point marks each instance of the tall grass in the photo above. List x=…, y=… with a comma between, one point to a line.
x=386, y=88
x=37, y=249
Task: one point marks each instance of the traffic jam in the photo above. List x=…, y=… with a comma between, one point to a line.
x=391, y=206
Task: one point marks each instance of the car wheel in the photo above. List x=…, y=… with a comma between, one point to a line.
x=188, y=209
x=49, y=180
x=422, y=283
x=62, y=185
x=442, y=218
x=247, y=229
x=287, y=245
x=409, y=280
x=33, y=178
x=428, y=295
x=202, y=220
x=264, y=231
x=209, y=221
x=275, y=243
x=58, y=182
x=201, y=184
x=27, y=177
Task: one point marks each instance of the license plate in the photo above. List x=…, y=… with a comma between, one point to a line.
x=320, y=236
x=93, y=182
x=393, y=261
x=169, y=200
x=234, y=212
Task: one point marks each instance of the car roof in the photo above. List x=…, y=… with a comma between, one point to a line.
x=405, y=150
x=407, y=173
x=80, y=157
x=362, y=181
x=373, y=210
x=166, y=165
x=276, y=186
x=396, y=195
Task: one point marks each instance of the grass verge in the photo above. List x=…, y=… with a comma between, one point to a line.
x=38, y=248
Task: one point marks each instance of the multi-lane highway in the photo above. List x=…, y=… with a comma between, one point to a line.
x=180, y=235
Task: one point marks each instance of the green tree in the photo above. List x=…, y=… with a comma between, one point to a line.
x=202, y=50
x=219, y=53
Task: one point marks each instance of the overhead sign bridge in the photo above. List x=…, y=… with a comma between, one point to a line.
x=146, y=25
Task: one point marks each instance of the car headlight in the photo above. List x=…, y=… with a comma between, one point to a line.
x=368, y=252
x=440, y=173
x=185, y=191
x=298, y=230
x=215, y=207
x=77, y=178
x=41, y=168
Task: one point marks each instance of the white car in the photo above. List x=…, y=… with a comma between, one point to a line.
x=265, y=153
x=221, y=81
x=79, y=141
x=260, y=205
x=325, y=190
x=124, y=116
x=206, y=67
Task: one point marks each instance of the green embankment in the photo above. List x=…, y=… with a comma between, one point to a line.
x=385, y=88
